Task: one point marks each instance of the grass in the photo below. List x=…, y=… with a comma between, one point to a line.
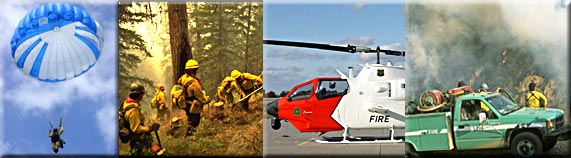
x=228, y=132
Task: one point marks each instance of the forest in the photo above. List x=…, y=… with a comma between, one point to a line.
x=156, y=40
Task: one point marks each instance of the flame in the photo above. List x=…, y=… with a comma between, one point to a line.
x=504, y=53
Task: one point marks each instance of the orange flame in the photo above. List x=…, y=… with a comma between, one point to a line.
x=504, y=53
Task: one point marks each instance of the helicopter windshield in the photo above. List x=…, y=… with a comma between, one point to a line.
x=331, y=88
x=502, y=104
x=301, y=93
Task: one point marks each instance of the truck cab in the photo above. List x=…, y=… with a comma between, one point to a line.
x=487, y=121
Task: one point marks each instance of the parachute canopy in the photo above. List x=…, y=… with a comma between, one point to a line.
x=56, y=42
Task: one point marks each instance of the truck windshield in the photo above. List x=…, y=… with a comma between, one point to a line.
x=502, y=104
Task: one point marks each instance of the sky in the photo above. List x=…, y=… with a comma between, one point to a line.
x=87, y=103
x=339, y=22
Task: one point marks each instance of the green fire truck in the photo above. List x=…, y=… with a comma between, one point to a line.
x=487, y=120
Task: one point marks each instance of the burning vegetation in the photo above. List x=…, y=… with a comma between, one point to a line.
x=487, y=43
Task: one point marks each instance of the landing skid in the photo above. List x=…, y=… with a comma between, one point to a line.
x=347, y=139
x=359, y=140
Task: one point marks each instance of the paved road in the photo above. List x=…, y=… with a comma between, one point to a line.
x=288, y=141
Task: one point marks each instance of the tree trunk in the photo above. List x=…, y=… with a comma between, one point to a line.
x=178, y=30
x=220, y=38
x=248, y=37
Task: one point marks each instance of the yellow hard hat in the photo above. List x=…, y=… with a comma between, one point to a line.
x=174, y=119
x=235, y=73
x=160, y=85
x=191, y=64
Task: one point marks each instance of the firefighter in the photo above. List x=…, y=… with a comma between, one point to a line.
x=485, y=108
x=161, y=103
x=55, y=136
x=245, y=83
x=194, y=95
x=141, y=138
x=224, y=93
x=534, y=98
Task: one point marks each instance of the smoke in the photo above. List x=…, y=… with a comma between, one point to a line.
x=504, y=44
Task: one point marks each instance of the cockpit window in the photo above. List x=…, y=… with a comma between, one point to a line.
x=328, y=89
x=301, y=93
x=382, y=89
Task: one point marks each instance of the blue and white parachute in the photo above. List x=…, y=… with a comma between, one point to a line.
x=56, y=42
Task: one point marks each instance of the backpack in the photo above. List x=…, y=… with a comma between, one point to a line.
x=125, y=132
x=177, y=95
x=155, y=102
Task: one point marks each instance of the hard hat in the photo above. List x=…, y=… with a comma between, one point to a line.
x=191, y=64
x=531, y=85
x=160, y=85
x=137, y=87
x=484, y=86
x=174, y=119
x=235, y=73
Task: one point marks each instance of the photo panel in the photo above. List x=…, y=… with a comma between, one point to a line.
x=58, y=71
x=487, y=78
x=190, y=78
x=334, y=79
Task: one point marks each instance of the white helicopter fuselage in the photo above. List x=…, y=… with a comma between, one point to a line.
x=375, y=98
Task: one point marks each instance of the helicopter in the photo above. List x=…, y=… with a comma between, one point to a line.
x=374, y=99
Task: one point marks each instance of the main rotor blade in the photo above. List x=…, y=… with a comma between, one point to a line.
x=308, y=45
x=348, y=48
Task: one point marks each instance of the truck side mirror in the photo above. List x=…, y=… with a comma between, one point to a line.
x=483, y=118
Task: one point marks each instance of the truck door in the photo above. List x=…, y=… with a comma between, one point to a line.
x=469, y=133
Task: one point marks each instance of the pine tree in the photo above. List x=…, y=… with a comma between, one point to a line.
x=131, y=48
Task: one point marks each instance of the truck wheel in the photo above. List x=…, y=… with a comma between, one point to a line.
x=549, y=144
x=410, y=152
x=526, y=144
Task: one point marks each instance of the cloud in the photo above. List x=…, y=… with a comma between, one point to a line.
x=288, y=68
x=358, y=5
x=282, y=81
x=358, y=41
x=328, y=71
x=4, y=147
x=107, y=123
